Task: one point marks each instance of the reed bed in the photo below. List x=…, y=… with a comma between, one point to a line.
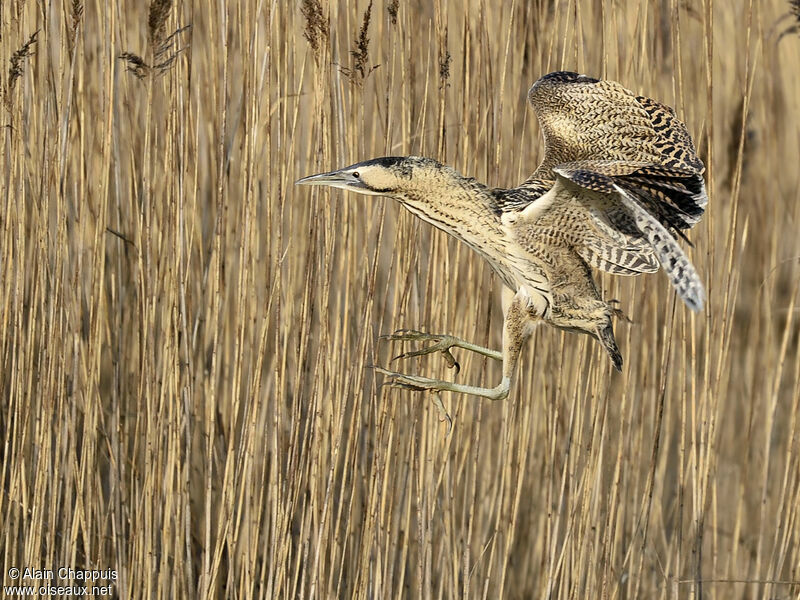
x=186, y=336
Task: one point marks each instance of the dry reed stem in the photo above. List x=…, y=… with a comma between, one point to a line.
x=186, y=336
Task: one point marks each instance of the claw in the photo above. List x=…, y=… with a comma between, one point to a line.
x=617, y=312
x=452, y=363
x=413, y=353
x=408, y=382
x=437, y=401
x=396, y=380
x=402, y=335
x=442, y=343
x=400, y=385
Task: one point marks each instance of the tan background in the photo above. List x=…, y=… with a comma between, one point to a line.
x=185, y=335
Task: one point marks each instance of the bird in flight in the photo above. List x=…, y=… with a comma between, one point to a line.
x=620, y=182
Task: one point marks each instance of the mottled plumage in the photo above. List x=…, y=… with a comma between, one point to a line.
x=620, y=181
x=623, y=174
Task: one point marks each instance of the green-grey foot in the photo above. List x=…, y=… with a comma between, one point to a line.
x=441, y=343
x=420, y=384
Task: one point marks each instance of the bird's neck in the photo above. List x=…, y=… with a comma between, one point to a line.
x=458, y=205
x=467, y=210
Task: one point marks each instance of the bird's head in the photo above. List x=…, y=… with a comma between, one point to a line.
x=387, y=176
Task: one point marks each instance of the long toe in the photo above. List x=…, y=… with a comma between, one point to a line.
x=442, y=343
x=409, y=335
x=417, y=383
x=414, y=382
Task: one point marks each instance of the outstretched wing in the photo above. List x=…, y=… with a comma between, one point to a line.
x=590, y=119
x=598, y=128
x=640, y=162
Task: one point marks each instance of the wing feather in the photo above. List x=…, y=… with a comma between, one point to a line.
x=617, y=260
x=675, y=198
x=622, y=237
x=583, y=118
x=674, y=261
x=641, y=176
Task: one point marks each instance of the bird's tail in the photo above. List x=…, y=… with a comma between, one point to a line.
x=673, y=260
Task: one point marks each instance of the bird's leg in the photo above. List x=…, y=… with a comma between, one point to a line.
x=516, y=329
x=441, y=343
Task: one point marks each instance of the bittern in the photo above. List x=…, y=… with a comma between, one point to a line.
x=619, y=183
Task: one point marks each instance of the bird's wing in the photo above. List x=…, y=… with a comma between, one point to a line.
x=628, y=163
x=610, y=226
x=597, y=128
x=583, y=118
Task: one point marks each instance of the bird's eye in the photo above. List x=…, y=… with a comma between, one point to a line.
x=355, y=174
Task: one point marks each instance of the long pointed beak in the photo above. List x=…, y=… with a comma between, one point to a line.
x=332, y=178
x=346, y=178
